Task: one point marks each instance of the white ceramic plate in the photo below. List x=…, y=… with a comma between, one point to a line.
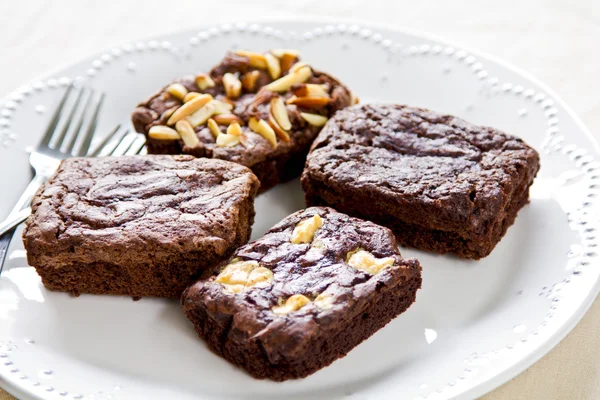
x=474, y=325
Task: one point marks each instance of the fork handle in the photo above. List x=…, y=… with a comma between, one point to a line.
x=13, y=220
x=4, y=243
x=28, y=193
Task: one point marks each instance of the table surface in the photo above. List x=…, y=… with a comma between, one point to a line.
x=552, y=39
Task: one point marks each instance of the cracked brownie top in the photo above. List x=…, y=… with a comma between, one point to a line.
x=251, y=106
x=314, y=268
x=113, y=205
x=434, y=170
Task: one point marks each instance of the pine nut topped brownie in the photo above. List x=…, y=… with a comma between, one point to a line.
x=137, y=225
x=311, y=289
x=261, y=110
x=440, y=183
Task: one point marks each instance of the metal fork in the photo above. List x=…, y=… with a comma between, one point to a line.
x=52, y=148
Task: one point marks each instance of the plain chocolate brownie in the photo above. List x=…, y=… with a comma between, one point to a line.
x=259, y=110
x=440, y=183
x=311, y=289
x=137, y=226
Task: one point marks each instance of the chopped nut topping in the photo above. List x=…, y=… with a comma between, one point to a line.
x=204, y=81
x=279, y=112
x=293, y=303
x=281, y=134
x=234, y=129
x=256, y=60
x=311, y=90
x=202, y=115
x=227, y=140
x=233, y=86
x=282, y=84
x=249, y=80
x=309, y=102
x=242, y=275
x=297, y=66
x=190, y=107
x=263, y=129
x=279, y=53
x=305, y=230
x=355, y=99
x=213, y=127
x=314, y=119
x=324, y=301
x=227, y=119
x=163, y=132
x=187, y=133
x=177, y=90
x=287, y=61
x=190, y=96
x=273, y=66
x=222, y=107
x=365, y=261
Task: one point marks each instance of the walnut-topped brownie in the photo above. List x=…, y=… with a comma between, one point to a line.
x=311, y=289
x=261, y=110
x=440, y=183
x=137, y=226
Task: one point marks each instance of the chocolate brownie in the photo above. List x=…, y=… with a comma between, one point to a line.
x=137, y=226
x=311, y=289
x=259, y=110
x=440, y=183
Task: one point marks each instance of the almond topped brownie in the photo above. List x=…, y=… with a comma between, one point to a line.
x=261, y=110
x=440, y=183
x=137, y=226
x=311, y=289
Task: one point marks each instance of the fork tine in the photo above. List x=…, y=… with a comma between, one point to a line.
x=55, y=118
x=87, y=139
x=104, y=141
x=121, y=138
x=65, y=129
x=75, y=135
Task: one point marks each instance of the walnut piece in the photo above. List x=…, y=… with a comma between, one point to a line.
x=241, y=275
x=305, y=230
x=293, y=303
x=365, y=261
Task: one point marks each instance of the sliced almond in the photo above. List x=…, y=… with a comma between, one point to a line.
x=283, y=135
x=249, y=80
x=222, y=107
x=204, y=81
x=190, y=96
x=234, y=129
x=263, y=129
x=280, y=53
x=227, y=140
x=233, y=86
x=187, y=133
x=177, y=90
x=256, y=60
x=314, y=119
x=202, y=115
x=273, y=66
x=213, y=127
x=189, y=108
x=297, y=66
x=311, y=90
x=287, y=61
x=355, y=99
x=227, y=119
x=163, y=132
x=309, y=102
x=285, y=82
x=279, y=112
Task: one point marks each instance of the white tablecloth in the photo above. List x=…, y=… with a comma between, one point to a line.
x=557, y=41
